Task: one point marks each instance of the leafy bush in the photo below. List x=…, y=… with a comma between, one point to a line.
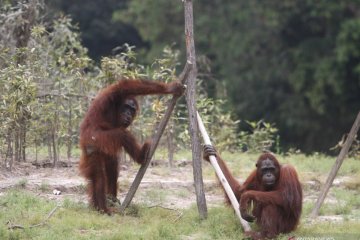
x=219, y=123
x=46, y=83
x=261, y=136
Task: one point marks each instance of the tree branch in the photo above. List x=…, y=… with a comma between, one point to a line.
x=16, y=226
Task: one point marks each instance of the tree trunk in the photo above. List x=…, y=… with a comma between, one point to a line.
x=23, y=138
x=36, y=150
x=53, y=141
x=191, y=105
x=69, y=141
x=22, y=33
x=49, y=144
x=9, y=152
x=170, y=142
x=17, y=147
x=56, y=127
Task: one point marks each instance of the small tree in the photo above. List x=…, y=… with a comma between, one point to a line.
x=17, y=104
x=261, y=136
x=46, y=81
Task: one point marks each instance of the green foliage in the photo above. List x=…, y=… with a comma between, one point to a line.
x=58, y=81
x=152, y=13
x=46, y=94
x=63, y=89
x=100, y=33
x=295, y=63
x=121, y=65
x=219, y=123
x=261, y=137
x=18, y=98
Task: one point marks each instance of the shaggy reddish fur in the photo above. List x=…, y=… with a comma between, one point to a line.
x=102, y=136
x=277, y=210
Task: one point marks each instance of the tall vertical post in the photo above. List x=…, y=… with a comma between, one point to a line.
x=191, y=105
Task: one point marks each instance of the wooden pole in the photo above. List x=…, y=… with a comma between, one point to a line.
x=191, y=106
x=189, y=73
x=155, y=141
x=344, y=151
x=222, y=178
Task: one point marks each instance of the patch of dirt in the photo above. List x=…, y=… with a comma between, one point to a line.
x=174, y=185
x=173, y=188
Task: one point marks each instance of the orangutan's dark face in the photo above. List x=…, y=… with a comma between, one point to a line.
x=268, y=173
x=127, y=112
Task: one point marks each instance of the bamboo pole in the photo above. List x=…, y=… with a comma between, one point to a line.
x=222, y=178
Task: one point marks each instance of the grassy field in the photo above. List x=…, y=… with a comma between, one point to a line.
x=26, y=215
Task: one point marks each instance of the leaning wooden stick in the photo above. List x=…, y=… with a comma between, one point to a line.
x=155, y=141
x=339, y=160
x=222, y=178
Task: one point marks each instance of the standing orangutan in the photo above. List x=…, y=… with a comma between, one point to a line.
x=103, y=134
x=275, y=191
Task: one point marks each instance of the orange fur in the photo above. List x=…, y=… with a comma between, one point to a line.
x=102, y=137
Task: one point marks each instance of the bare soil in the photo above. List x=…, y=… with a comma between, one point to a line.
x=161, y=185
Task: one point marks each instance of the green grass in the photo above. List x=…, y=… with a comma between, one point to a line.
x=72, y=220
x=76, y=221
x=148, y=220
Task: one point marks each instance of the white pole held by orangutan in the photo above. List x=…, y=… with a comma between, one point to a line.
x=222, y=178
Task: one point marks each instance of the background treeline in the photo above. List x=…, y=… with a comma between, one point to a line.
x=294, y=64
x=47, y=82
